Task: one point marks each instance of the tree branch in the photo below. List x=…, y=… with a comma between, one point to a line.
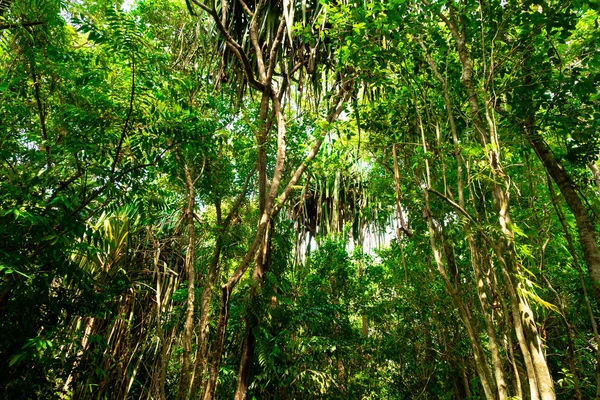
x=233, y=45
x=239, y=199
x=340, y=99
x=127, y=119
x=455, y=205
x=24, y=24
x=273, y=52
x=262, y=72
x=246, y=8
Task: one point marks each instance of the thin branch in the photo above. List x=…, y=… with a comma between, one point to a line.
x=281, y=153
x=127, y=119
x=233, y=45
x=340, y=99
x=24, y=24
x=455, y=205
x=274, y=47
x=262, y=72
x=197, y=218
x=40, y=107
x=113, y=179
x=239, y=199
x=62, y=186
x=495, y=247
x=246, y=8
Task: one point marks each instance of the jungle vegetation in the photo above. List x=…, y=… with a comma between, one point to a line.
x=312, y=199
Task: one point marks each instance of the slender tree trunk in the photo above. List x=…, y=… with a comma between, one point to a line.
x=399, y=213
x=245, y=369
x=481, y=365
x=211, y=384
x=569, y=334
x=487, y=309
x=188, y=329
x=527, y=333
x=202, y=347
x=588, y=304
x=270, y=208
x=476, y=258
x=585, y=226
x=510, y=349
x=202, y=342
x=226, y=290
x=161, y=364
x=265, y=204
x=485, y=375
x=45, y=145
x=252, y=321
x=259, y=262
x=80, y=354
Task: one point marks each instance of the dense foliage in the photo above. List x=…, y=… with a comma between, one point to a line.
x=291, y=200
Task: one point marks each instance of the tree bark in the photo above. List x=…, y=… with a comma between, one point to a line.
x=522, y=314
x=252, y=321
x=585, y=226
x=477, y=261
x=188, y=329
x=202, y=343
x=481, y=365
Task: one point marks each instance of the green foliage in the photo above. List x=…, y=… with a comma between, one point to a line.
x=102, y=109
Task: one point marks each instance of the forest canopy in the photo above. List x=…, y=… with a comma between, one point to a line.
x=278, y=199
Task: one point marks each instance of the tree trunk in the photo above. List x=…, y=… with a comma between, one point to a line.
x=261, y=265
x=270, y=207
x=483, y=370
x=188, y=329
x=588, y=304
x=161, y=363
x=522, y=314
x=213, y=272
x=585, y=226
x=246, y=360
x=569, y=334
x=477, y=260
x=202, y=343
x=209, y=390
